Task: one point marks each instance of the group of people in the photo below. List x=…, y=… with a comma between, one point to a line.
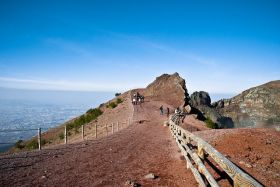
x=137, y=99
x=177, y=117
x=161, y=109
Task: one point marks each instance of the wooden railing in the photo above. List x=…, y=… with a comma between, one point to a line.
x=98, y=128
x=115, y=127
x=187, y=141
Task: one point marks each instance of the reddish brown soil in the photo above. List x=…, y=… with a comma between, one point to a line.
x=192, y=124
x=256, y=151
x=129, y=154
x=135, y=151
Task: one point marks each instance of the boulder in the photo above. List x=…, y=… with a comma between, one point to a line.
x=188, y=109
x=200, y=98
x=132, y=183
x=218, y=104
x=166, y=123
x=215, y=116
x=150, y=176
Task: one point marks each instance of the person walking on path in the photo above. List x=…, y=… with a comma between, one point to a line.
x=167, y=112
x=161, y=110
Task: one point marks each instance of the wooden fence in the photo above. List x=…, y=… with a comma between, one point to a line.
x=39, y=130
x=187, y=141
x=113, y=127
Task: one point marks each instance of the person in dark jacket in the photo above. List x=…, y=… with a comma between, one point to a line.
x=161, y=110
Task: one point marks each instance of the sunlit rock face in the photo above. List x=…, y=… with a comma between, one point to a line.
x=255, y=107
x=169, y=88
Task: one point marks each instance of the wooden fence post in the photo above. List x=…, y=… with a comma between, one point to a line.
x=39, y=138
x=200, y=151
x=65, y=134
x=83, y=132
x=118, y=126
x=112, y=128
x=106, y=129
x=95, y=130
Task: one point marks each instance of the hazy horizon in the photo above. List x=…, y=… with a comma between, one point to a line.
x=56, y=97
x=68, y=97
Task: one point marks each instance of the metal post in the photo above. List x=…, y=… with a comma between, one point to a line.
x=65, y=135
x=39, y=138
x=83, y=132
x=95, y=131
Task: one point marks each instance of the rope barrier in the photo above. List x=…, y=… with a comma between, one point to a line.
x=21, y=130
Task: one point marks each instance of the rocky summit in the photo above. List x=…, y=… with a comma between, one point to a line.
x=255, y=107
x=169, y=88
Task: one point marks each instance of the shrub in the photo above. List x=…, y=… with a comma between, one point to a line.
x=19, y=144
x=270, y=121
x=76, y=130
x=43, y=142
x=90, y=115
x=112, y=105
x=61, y=135
x=211, y=124
x=94, y=111
x=119, y=100
x=33, y=144
x=117, y=94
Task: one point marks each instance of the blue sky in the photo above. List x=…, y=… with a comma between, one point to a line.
x=217, y=46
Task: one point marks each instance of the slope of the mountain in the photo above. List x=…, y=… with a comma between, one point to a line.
x=255, y=107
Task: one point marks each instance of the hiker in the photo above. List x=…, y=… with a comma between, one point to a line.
x=139, y=100
x=161, y=110
x=143, y=98
x=177, y=110
x=167, y=112
x=186, y=110
x=134, y=101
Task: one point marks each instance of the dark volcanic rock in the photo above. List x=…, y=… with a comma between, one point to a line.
x=215, y=116
x=221, y=103
x=169, y=88
x=201, y=103
x=255, y=107
x=200, y=98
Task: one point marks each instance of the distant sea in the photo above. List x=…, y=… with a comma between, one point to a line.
x=29, y=109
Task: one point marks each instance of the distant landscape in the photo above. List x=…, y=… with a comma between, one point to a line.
x=31, y=109
x=136, y=93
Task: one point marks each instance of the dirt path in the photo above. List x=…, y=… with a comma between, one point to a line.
x=129, y=154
